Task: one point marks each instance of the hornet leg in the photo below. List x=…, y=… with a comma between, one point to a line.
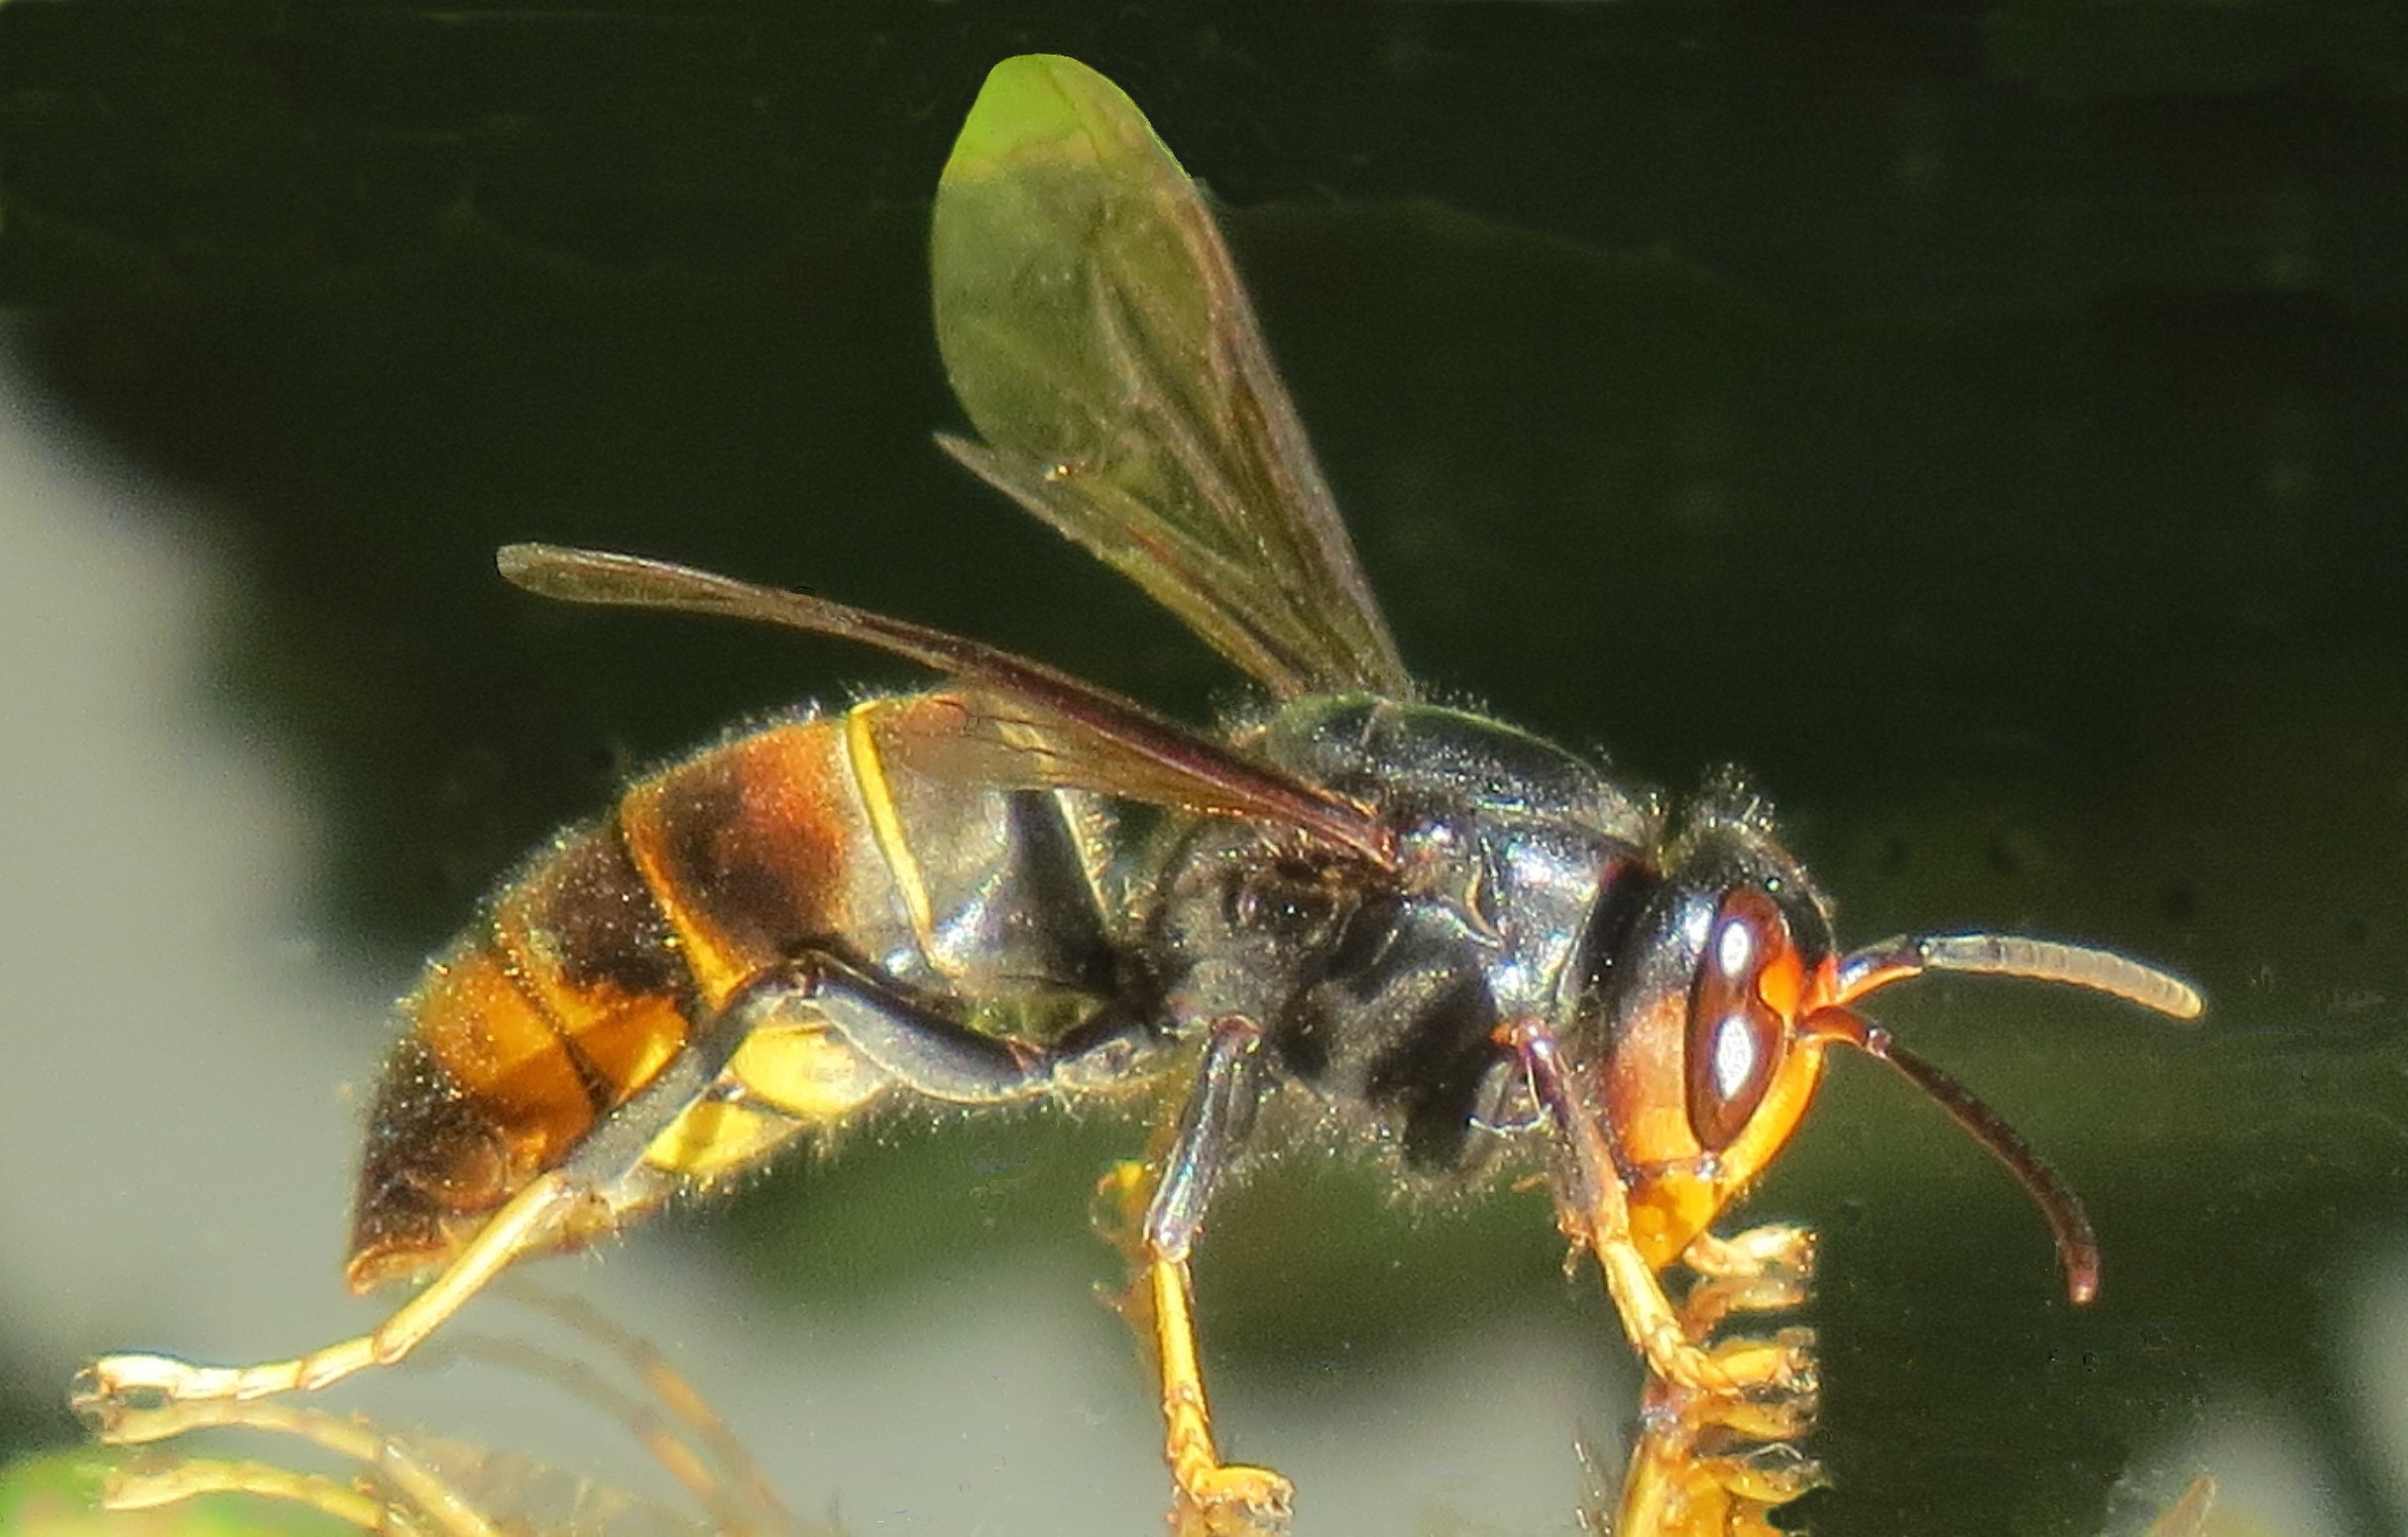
x=942, y=1059
x=396, y=1492
x=919, y=1048
x=1219, y=1499
x=1767, y=1269
x=128, y=1398
x=133, y=1398
x=1594, y=1210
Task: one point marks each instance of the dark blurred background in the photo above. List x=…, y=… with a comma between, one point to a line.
x=1983, y=423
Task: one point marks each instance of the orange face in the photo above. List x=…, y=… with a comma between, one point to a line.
x=1704, y=1084
x=1729, y=992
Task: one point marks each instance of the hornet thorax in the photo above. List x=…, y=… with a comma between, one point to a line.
x=1380, y=993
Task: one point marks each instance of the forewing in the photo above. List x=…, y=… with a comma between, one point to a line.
x=1022, y=723
x=1097, y=335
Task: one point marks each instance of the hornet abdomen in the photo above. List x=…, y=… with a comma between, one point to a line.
x=619, y=946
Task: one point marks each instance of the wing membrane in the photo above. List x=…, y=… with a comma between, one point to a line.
x=1023, y=725
x=1095, y=332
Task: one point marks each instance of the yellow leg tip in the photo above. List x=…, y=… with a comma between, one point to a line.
x=127, y=1400
x=1233, y=1501
x=1783, y=1418
x=117, y=1377
x=1784, y=1363
x=1752, y=1366
x=1771, y=1476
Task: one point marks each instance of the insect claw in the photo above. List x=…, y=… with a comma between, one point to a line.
x=1772, y=1475
x=1233, y=1501
x=1783, y=1251
x=1716, y=1298
x=127, y=1400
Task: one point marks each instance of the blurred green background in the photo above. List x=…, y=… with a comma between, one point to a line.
x=1985, y=423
